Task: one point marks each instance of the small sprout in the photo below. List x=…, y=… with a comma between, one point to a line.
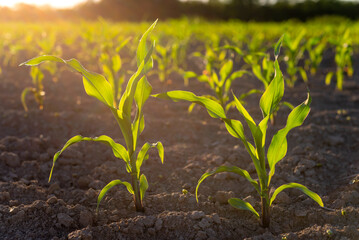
x=284, y=238
x=342, y=112
x=184, y=191
x=343, y=212
x=135, y=95
x=354, y=181
x=330, y=233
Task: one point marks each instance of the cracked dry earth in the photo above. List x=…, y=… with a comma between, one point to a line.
x=323, y=154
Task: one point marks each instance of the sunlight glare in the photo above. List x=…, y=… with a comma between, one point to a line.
x=52, y=3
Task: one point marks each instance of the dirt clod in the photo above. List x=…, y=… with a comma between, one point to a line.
x=10, y=158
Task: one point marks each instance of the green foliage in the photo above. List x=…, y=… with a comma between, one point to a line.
x=137, y=91
x=343, y=52
x=220, y=83
x=315, y=47
x=276, y=151
x=37, y=90
x=263, y=68
x=111, y=65
x=293, y=53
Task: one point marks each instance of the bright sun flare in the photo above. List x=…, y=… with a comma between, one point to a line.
x=52, y=3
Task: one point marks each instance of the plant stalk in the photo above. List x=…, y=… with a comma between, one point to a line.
x=265, y=220
x=137, y=194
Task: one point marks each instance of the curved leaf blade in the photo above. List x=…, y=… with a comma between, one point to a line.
x=95, y=84
x=143, y=186
x=111, y=185
x=143, y=152
x=118, y=150
x=278, y=147
x=142, y=49
x=23, y=97
x=301, y=187
x=242, y=205
x=214, y=109
x=233, y=169
x=273, y=94
x=277, y=46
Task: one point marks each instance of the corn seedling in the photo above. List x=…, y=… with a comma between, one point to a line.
x=47, y=45
x=220, y=83
x=315, y=47
x=294, y=52
x=276, y=150
x=38, y=88
x=165, y=58
x=138, y=90
x=343, y=52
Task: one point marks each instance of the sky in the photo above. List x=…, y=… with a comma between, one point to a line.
x=52, y=3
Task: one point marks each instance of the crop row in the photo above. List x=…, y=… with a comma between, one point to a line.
x=233, y=49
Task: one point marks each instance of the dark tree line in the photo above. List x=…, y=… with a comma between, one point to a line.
x=138, y=10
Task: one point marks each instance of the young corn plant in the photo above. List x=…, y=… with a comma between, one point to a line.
x=276, y=150
x=165, y=58
x=138, y=90
x=46, y=45
x=343, y=52
x=294, y=52
x=37, y=89
x=315, y=47
x=220, y=84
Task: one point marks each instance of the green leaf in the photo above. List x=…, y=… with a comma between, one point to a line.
x=143, y=152
x=95, y=84
x=125, y=105
x=340, y=79
x=116, y=63
x=118, y=150
x=36, y=75
x=278, y=46
x=143, y=186
x=242, y=205
x=189, y=74
x=257, y=71
x=278, y=147
x=37, y=60
x=214, y=109
x=328, y=78
x=303, y=74
x=109, y=186
x=236, y=170
x=226, y=70
x=142, y=49
x=143, y=91
x=236, y=49
x=273, y=94
x=304, y=189
x=23, y=96
x=235, y=128
x=287, y=104
x=252, y=125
